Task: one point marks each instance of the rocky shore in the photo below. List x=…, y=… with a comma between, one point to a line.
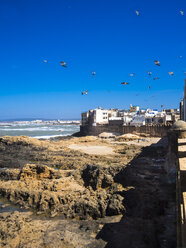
x=68, y=193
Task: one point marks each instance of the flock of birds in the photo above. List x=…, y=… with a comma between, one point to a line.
x=171, y=73
x=181, y=12
x=64, y=64
x=156, y=62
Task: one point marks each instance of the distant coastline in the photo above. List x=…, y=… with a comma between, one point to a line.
x=35, y=119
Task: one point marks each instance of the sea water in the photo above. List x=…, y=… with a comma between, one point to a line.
x=39, y=129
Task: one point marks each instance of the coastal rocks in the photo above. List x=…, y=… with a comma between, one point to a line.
x=16, y=152
x=89, y=201
x=34, y=171
x=20, y=141
x=127, y=137
x=92, y=193
x=9, y=174
x=96, y=178
x=115, y=206
x=25, y=230
x=107, y=135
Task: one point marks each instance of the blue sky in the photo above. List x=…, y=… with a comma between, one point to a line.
x=105, y=36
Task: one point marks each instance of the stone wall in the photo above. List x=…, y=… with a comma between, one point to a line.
x=155, y=131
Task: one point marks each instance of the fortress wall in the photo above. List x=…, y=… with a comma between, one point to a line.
x=155, y=131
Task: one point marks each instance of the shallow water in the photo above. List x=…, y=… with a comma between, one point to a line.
x=6, y=206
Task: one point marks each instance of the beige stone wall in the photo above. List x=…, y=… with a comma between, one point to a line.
x=155, y=131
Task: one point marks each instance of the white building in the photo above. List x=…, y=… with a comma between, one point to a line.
x=138, y=120
x=131, y=117
x=113, y=113
x=100, y=116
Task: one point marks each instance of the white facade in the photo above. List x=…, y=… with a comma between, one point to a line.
x=113, y=113
x=123, y=117
x=127, y=119
x=100, y=116
x=139, y=120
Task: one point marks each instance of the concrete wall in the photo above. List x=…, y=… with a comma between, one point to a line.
x=155, y=131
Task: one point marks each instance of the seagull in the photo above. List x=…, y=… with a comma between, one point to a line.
x=132, y=74
x=45, y=61
x=155, y=78
x=137, y=13
x=84, y=92
x=93, y=73
x=124, y=83
x=181, y=12
x=64, y=64
x=171, y=73
x=149, y=72
x=157, y=62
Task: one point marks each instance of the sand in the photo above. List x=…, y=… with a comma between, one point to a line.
x=90, y=149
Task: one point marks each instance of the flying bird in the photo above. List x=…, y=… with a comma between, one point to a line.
x=162, y=106
x=181, y=12
x=149, y=72
x=84, y=92
x=93, y=73
x=124, y=83
x=157, y=62
x=64, y=64
x=137, y=13
x=171, y=73
x=45, y=61
x=132, y=74
x=155, y=78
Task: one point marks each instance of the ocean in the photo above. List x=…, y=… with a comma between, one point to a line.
x=39, y=129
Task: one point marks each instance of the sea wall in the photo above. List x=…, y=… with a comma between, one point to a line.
x=155, y=131
x=177, y=171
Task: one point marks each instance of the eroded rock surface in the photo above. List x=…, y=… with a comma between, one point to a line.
x=91, y=194
x=73, y=199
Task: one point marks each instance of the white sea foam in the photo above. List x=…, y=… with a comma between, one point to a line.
x=38, y=130
x=33, y=129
